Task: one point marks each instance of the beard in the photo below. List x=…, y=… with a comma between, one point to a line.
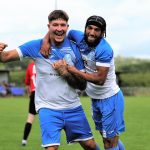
x=94, y=43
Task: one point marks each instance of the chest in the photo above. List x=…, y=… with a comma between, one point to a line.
x=63, y=53
x=89, y=60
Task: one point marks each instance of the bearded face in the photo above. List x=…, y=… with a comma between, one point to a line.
x=92, y=35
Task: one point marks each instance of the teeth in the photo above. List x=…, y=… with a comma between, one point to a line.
x=91, y=37
x=59, y=33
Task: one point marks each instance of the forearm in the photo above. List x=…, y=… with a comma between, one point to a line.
x=46, y=47
x=73, y=80
x=7, y=56
x=80, y=82
x=4, y=57
x=94, y=77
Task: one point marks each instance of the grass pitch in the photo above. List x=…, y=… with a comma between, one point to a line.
x=13, y=114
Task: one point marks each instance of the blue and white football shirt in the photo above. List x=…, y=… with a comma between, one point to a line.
x=102, y=55
x=52, y=91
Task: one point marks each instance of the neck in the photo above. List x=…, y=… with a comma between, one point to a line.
x=56, y=44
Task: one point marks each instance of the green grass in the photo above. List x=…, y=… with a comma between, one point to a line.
x=13, y=113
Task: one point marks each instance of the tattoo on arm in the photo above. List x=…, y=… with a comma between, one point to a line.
x=74, y=81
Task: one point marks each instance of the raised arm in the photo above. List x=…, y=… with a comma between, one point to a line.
x=73, y=35
x=9, y=55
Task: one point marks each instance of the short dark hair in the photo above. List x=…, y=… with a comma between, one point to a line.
x=56, y=14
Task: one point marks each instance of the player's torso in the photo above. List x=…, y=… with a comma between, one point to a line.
x=52, y=91
x=89, y=56
x=51, y=87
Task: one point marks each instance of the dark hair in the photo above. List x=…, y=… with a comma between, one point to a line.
x=56, y=14
x=97, y=21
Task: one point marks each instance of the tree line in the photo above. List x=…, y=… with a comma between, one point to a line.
x=133, y=72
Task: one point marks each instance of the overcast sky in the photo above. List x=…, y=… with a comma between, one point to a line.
x=128, y=21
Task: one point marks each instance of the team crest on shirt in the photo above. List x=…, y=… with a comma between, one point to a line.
x=63, y=53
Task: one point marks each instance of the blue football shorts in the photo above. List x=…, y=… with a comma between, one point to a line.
x=108, y=115
x=73, y=121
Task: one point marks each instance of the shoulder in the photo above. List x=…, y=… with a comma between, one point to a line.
x=31, y=48
x=32, y=43
x=76, y=32
x=104, y=50
x=76, y=35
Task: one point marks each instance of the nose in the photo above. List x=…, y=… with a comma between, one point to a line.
x=92, y=32
x=59, y=28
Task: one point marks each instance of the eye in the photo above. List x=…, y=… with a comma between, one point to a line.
x=55, y=24
x=63, y=25
x=97, y=29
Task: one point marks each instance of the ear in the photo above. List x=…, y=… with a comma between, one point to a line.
x=103, y=34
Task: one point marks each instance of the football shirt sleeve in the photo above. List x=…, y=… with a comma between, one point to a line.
x=75, y=36
x=31, y=49
x=103, y=54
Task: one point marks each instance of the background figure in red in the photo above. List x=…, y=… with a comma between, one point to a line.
x=30, y=87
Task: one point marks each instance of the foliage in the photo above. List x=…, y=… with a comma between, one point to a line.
x=17, y=65
x=17, y=77
x=135, y=79
x=133, y=72
x=17, y=71
x=129, y=64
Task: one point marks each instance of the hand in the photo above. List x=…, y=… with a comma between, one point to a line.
x=59, y=64
x=2, y=46
x=61, y=67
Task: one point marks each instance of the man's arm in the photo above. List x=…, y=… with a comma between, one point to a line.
x=79, y=81
x=74, y=35
x=9, y=55
x=97, y=78
x=45, y=48
x=74, y=81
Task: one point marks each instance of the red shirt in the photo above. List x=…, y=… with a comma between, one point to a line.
x=30, y=76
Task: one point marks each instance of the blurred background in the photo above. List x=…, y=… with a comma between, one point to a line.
x=128, y=32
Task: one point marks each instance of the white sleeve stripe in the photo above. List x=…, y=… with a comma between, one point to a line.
x=82, y=70
x=19, y=53
x=103, y=64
